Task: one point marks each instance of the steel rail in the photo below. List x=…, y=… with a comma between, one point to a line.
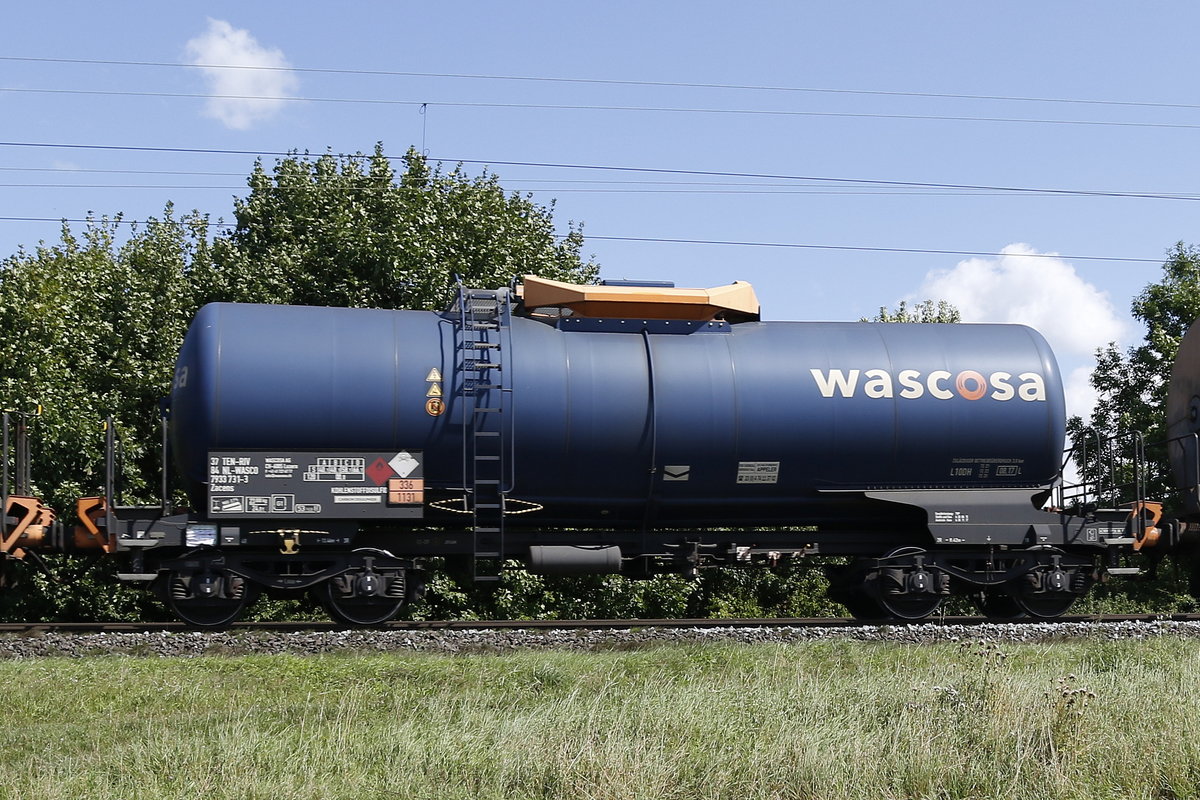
x=584, y=624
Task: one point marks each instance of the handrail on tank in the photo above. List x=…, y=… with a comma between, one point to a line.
x=1099, y=459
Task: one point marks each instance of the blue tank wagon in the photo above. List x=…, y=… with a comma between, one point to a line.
x=616, y=428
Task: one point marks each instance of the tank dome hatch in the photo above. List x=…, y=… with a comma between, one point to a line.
x=735, y=302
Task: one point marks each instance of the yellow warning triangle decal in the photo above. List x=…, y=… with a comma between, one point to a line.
x=435, y=374
x=435, y=390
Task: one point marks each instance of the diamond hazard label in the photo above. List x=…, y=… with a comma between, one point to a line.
x=379, y=471
x=404, y=463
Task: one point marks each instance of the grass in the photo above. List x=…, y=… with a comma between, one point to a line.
x=1079, y=719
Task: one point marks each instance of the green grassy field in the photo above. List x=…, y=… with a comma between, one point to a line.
x=1079, y=719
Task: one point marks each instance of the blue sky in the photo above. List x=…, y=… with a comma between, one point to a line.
x=860, y=93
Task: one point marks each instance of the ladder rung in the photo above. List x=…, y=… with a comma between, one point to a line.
x=487, y=410
x=488, y=554
x=472, y=363
x=487, y=530
x=1124, y=571
x=486, y=434
x=487, y=482
x=482, y=346
x=486, y=578
x=487, y=458
x=487, y=505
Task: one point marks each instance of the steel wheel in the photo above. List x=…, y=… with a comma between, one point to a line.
x=1045, y=605
x=861, y=605
x=351, y=602
x=908, y=604
x=209, y=600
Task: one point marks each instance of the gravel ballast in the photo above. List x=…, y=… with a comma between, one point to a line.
x=239, y=643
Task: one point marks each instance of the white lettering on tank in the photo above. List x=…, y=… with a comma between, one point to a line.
x=1033, y=388
x=968, y=384
x=836, y=380
x=999, y=381
x=879, y=383
x=936, y=377
x=910, y=379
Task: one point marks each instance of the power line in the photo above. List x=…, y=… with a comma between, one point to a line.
x=666, y=240
x=609, y=82
x=584, y=107
x=768, y=189
x=873, y=182
x=859, y=249
x=535, y=185
x=863, y=181
x=92, y=171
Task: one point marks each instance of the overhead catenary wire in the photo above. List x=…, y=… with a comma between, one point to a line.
x=607, y=82
x=425, y=104
x=522, y=189
x=872, y=182
x=669, y=240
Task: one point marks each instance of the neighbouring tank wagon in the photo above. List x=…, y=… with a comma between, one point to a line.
x=626, y=427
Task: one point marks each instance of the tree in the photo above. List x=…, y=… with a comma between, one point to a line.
x=345, y=231
x=1132, y=389
x=924, y=311
x=90, y=325
x=1132, y=385
x=90, y=330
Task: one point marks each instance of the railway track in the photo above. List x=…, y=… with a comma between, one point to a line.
x=588, y=624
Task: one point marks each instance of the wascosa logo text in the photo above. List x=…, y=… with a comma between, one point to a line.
x=911, y=384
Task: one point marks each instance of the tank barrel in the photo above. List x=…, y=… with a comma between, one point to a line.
x=1183, y=421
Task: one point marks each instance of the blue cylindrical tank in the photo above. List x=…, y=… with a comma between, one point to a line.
x=620, y=422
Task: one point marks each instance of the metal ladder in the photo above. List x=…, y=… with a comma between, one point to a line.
x=484, y=399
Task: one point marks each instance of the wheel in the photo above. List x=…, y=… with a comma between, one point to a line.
x=362, y=599
x=1045, y=605
x=997, y=603
x=1046, y=591
x=910, y=606
x=209, y=600
x=913, y=596
x=861, y=605
x=847, y=585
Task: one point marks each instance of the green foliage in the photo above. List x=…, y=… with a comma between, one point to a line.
x=791, y=589
x=345, y=231
x=1132, y=385
x=1132, y=389
x=92, y=323
x=924, y=311
x=91, y=328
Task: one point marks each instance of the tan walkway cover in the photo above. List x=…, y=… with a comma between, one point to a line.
x=735, y=302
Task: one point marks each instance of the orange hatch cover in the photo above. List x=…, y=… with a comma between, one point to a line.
x=735, y=302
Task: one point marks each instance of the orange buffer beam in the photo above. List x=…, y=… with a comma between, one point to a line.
x=26, y=526
x=88, y=534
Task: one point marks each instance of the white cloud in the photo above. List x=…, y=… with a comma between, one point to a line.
x=241, y=97
x=1041, y=291
x=1081, y=395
